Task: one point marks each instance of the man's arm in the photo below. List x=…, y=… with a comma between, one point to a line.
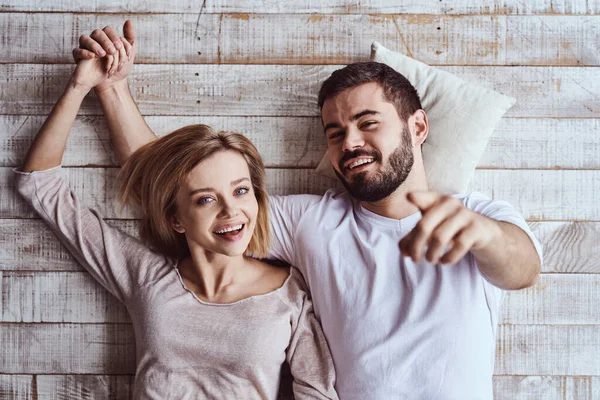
x=128, y=129
x=504, y=253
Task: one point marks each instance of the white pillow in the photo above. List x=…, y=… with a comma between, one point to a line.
x=462, y=117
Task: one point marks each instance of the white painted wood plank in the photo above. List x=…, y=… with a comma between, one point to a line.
x=110, y=349
x=529, y=143
x=539, y=195
x=67, y=349
x=97, y=189
x=58, y=297
x=544, y=195
x=29, y=245
x=282, y=141
x=16, y=387
x=84, y=387
x=284, y=90
x=314, y=38
x=67, y=387
x=548, y=350
x=546, y=387
x=74, y=297
x=557, y=299
x=310, y=6
x=543, y=143
x=572, y=247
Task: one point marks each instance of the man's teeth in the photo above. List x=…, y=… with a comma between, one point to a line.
x=360, y=162
x=230, y=229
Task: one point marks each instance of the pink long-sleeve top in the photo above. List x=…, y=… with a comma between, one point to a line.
x=187, y=348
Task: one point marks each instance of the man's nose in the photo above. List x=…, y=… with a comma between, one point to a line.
x=353, y=140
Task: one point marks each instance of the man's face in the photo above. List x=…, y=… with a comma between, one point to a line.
x=370, y=147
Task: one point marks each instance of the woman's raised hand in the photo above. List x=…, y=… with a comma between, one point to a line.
x=113, y=57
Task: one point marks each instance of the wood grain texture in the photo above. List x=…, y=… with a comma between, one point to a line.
x=284, y=90
x=309, y=6
x=556, y=195
x=67, y=349
x=84, y=387
x=109, y=349
x=119, y=387
x=546, y=387
x=16, y=387
x=74, y=297
x=528, y=143
x=548, y=350
x=282, y=141
x=313, y=38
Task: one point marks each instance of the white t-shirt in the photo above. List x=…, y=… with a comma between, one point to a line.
x=396, y=329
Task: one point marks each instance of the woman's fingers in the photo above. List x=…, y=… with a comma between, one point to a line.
x=122, y=58
x=80, y=54
x=129, y=32
x=103, y=40
x=113, y=36
x=89, y=44
x=127, y=46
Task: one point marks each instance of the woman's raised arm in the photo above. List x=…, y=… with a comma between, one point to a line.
x=48, y=147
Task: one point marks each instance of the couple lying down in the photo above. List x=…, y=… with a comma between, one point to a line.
x=406, y=283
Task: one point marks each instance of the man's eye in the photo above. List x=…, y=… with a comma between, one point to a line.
x=369, y=124
x=334, y=135
x=241, y=191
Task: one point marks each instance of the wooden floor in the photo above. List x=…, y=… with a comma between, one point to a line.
x=256, y=67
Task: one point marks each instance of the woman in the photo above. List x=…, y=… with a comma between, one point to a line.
x=209, y=322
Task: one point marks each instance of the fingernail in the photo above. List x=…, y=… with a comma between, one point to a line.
x=111, y=49
x=101, y=53
x=118, y=45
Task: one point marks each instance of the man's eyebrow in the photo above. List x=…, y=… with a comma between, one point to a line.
x=209, y=189
x=353, y=118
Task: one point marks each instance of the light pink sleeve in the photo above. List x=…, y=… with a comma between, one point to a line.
x=121, y=263
x=308, y=354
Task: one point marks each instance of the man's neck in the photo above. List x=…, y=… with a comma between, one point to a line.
x=396, y=205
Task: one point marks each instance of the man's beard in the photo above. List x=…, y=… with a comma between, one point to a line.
x=382, y=183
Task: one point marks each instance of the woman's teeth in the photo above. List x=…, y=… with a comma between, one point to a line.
x=230, y=229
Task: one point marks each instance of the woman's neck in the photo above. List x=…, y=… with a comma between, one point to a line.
x=211, y=274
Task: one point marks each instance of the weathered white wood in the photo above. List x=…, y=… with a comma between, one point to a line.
x=298, y=141
x=97, y=189
x=110, y=349
x=74, y=297
x=557, y=299
x=282, y=141
x=67, y=348
x=84, y=387
x=546, y=387
x=543, y=143
x=544, y=195
x=16, y=387
x=58, y=297
x=572, y=247
x=313, y=38
x=548, y=350
x=311, y=6
x=556, y=194
x=117, y=387
x=283, y=90
x=29, y=245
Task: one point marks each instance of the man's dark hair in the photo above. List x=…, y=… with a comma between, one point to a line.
x=396, y=88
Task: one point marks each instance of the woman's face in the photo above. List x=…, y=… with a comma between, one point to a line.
x=216, y=206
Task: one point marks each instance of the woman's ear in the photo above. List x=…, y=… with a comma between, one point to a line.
x=177, y=227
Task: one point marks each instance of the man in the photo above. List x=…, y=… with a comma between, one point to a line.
x=406, y=282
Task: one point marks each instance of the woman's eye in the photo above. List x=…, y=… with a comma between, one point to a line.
x=204, y=200
x=241, y=191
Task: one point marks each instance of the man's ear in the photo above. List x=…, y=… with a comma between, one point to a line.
x=419, y=127
x=177, y=227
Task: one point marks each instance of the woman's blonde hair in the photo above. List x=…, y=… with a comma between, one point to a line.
x=153, y=175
